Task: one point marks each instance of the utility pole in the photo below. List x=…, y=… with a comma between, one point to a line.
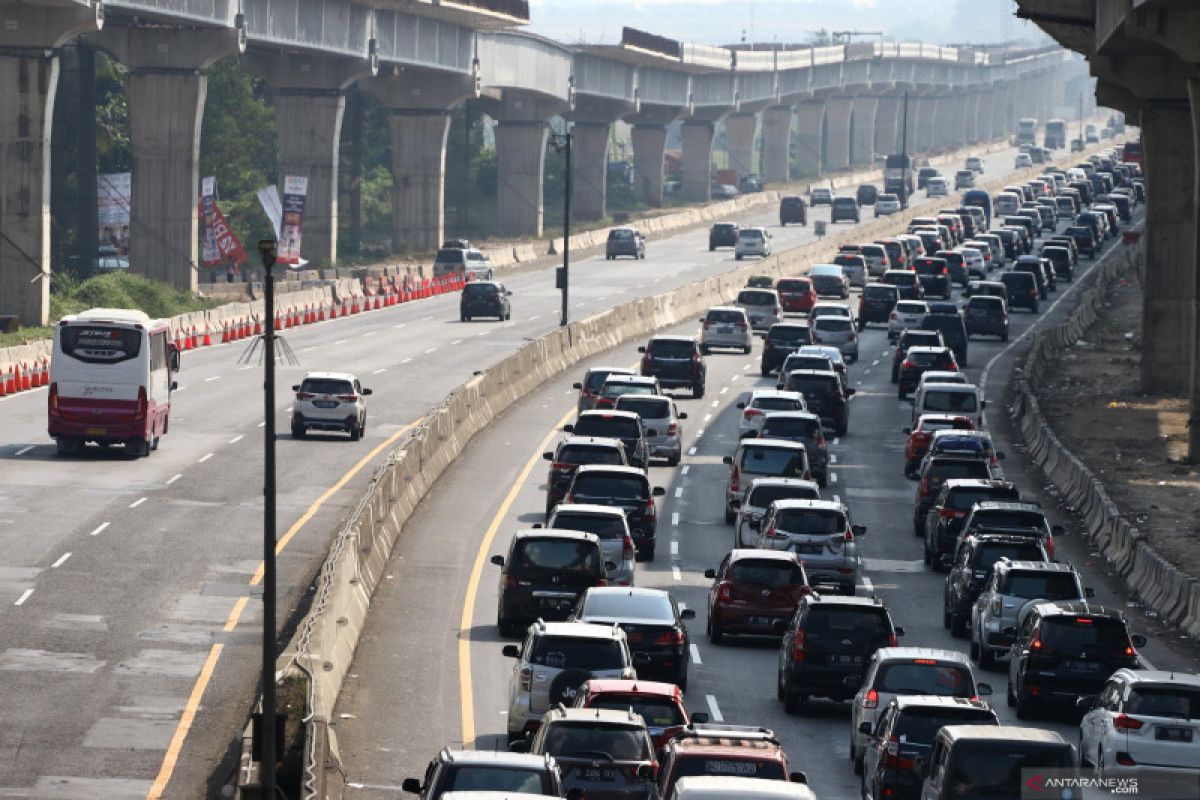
x=562, y=142
x=904, y=156
x=267, y=248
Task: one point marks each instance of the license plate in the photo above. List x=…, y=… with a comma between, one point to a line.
x=845, y=659
x=597, y=773
x=325, y=403
x=1165, y=734
x=549, y=602
x=1083, y=666
x=769, y=621
x=95, y=431
x=724, y=329
x=810, y=549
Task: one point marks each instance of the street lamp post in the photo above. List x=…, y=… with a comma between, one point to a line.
x=562, y=142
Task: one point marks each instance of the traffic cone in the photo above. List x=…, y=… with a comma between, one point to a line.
x=333, y=310
x=25, y=383
x=43, y=374
x=10, y=383
x=354, y=305
x=257, y=327
x=3, y=385
x=310, y=316
x=225, y=333
x=178, y=341
x=207, y=341
x=192, y=341
x=378, y=303
x=278, y=322
x=321, y=313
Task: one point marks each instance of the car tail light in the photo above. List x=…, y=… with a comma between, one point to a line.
x=348, y=398
x=510, y=581
x=53, y=403
x=672, y=428
x=304, y=395
x=798, y=646
x=766, y=343
x=1125, y=760
x=602, y=582
x=751, y=413
x=142, y=404
x=924, y=489
x=707, y=324
x=906, y=364
x=872, y=699
x=725, y=592
x=848, y=536
x=892, y=640
x=741, y=326
x=1036, y=644
x=645, y=363
x=1130, y=651
x=570, y=498
x=892, y=315
x=562, y=466
x=526, y=679
x=649, y=511
x=1123, y=722
x=733, y=480
x=673, y=637
x=627, y=548
x=821, y=439
x=1049, y=544
x=950, y=513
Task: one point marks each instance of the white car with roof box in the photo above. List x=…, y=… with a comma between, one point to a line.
x=720, y=787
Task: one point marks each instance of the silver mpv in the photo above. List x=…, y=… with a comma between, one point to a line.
x=660, y=414
x=819, y=531
x=609, y=525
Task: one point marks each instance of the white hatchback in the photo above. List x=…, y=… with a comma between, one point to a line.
x=907, y=314
x=752, y=242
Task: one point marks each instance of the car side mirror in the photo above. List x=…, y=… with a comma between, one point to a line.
x=906, y=431
x=864, y=728
x=295, y=387
x=645, y=772
x=658, y=491
x=1089, y=592
x=511, y=651
x=851, y=392
x=701, y=321
x=508, y=293
x=411, y=785
x=779, y=386
x=699, y=718
x=687, y=613
x=519, y=746
x=536, y=525
x=798, y=777
x=727, y=459
x=983, y=689
x=498, y=561
x=1058, y=530
x=174, y=385
x=982, y=405
x=1138, y=640
x=741, y=405
x=1009, y=630
x=174, y=358
x=641, y=349
x=899, y=631
x=710, y=573
x=1000, y=456
x=577, y=386
x=735, y=503
x=568, y=428
x=750, y=434
x=1085, y=702
x=858, y=530
x=548, y=456
x=367, y=392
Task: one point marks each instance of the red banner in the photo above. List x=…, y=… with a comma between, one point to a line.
x=227, y=247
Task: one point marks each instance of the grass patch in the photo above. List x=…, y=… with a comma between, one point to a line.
x=115, y=290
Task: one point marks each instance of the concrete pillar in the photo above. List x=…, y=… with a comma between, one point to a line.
x=418, y=179
x=922, y=123
x=810, y=120
x=1194, y=428
x=697, y=160
x=741, y=130
x=862, y=139
x=28, y=83
x=949, y=123
x=983, y=118
x=521, y=157
x=309, y=131
x=589, y=170
x=649, y=144
x=777, y=144
x=1169, y=283
x=970, y=129
x=889, y=116
x=839, y=112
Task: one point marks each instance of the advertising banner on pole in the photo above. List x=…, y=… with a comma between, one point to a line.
x=112, y=199
x=268, y=198
x=221, y=245
x=295, y=192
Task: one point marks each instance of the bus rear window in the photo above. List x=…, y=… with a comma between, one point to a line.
x=95, y=344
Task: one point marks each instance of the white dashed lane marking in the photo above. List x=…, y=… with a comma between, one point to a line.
x=174, y=478
x=714, y=710
x=213, y=378
x=678, y=492
x=103, y=526
x=205, y=458
x=695, y=654
x=685, y=469
x=24, y=596
x=25, y=450
x=676, y=574
x=237, y=439
x=674, y=548
x=61, y=560
x=138, y=502
x=674, y=518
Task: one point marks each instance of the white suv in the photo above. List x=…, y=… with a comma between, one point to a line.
x=725, y=326
x=752, y=242
x=329, y=401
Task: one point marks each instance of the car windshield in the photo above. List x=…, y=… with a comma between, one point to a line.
x=925, y=358
x=910, y=307
x=628, y=605
x=670, y=348
x=919, y=726
x=833, y=324
x=658, y=712
x=588, y=454
x=605, y=526
x=777, y=404
x=793, y=285
x=989, y=553
x=750, y=233
x=788, y=333
x=964, y=499
x=1046, y=585
x=784, y=462
x=812, y=385
x=729, y=766
x=326, y=386
x=811, y=521
x=595, y=380
x=945, y=402
x=975, y=444
x=879, y=292
x=948, y=470
x=586, y=739
x=617, y=487
x=844, y=202
x=791, y=427
x=901, y=278
x=919, y=676
x=726, y=316
x=555, y=555
x=620, y=234
x=841, y=623
x=564, y=652
x=477, y=290
x=1005, y=518
x=1092, y=636
x=771, y=574
x=619, y=388
x=646, y=408
x=1164, y=701
x=751, y=298
x=616, y=427
x=451, y=256
x=807, y=362
x=475, y=778
x=763, y=496
x=995, y=770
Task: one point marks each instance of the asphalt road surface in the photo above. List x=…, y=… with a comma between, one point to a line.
x=128, y=588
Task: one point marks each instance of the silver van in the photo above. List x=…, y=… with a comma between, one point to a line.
x=762, y=307
x=821, y=532
x=725, y=326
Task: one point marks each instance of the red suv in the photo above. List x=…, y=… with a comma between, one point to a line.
x=796, y=295
x=659, y=704
x=754, y=592
x=724, y=750
x=920, y=436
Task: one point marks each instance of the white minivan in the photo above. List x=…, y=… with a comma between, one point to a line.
x=721, y=787
x=957, y=399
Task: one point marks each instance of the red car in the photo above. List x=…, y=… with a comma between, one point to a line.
x=754, y=592
x=918, y=437
x=796, y=294
x=659, y=704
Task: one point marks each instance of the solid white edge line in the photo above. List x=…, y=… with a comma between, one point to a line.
x=674, y=548
x=714, y=710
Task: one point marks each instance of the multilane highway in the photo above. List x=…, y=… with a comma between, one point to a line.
x=131, y=625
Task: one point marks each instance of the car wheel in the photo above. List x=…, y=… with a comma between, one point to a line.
x=647, y=552
x=958, y=628
x=738, y=256
x=704, y=350
x=68, y=447
x=792, y=701
x=780, y=688
x=730, y=516
x=1004, y=336
x=842, y=429
x=986, y=659
x=698, y=392
x=901, y=394
x=822, y=479
x=463, y=318
x=507, y=629
x=355, y=433
x=711, y=248
x=298, y=431
x=1008, y=695
x=673, y=460
x=682, y=678
x=1024, y=706
x=137, y=448
x=765, y=372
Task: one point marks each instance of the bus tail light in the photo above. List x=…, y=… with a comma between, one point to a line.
x=54, y=411
x=142, y=404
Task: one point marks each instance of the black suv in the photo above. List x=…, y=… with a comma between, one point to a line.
x=1018, y=518
x=1022, y=290
x=934, y=276
x=1065, y=650
x=1085, y=239
x=624, y=425
x=935, y=471
x=626, y=488
x=782, y=339
x=676, y=362
x=484, y=299
x=866, y=194
x=1060, y=257
x=906, y=281
x=722, y=234
x=913, y=338
x=844, y=208
x=985, y=315
x=824, y=396
x=827, y=646
x=954, y=333
x=972, y=565
x=952, y=505
x=920, y=360
x=877, y=303
x=956, y=263
x=1032, y=265
x=572, y=453
x=792, y=209
x=544, y=575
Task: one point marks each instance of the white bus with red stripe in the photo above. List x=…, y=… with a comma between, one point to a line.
x=111, y=380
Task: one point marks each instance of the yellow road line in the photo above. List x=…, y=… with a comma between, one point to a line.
x=239, y=607
x=467, y=622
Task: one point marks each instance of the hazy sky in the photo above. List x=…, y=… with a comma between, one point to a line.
x=723, y=21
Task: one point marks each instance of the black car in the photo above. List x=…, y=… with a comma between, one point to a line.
x=1033, y=266
x=653, y=625
x=954, y=333
x=1067, y=243
x=971, y=564
x=924, y=174
x=876, y=304
x=1085, y=191
x=918, y=361
x=934, y=275
x=1066, y=650
x=1085, y=239
x=824, y=395
x=827, y=645
x=903, y=738
x=906, y=281
x=623, y=425
x=1096, y=221
x=1022, y=290
x=1010, y=241
x=626, y=488
x=844, y=208
x=544, y=575
x=782, y=339
x=935, y=471
x=676, y=362
x=956, y=264
x=625, y=241
x=722, y=234
x=866, y=194
x=953, y=503
x=572, y=453
x=792, y=209
x=1060, y=259
x=985, y=315
x=484, y=299
x=915, y=337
